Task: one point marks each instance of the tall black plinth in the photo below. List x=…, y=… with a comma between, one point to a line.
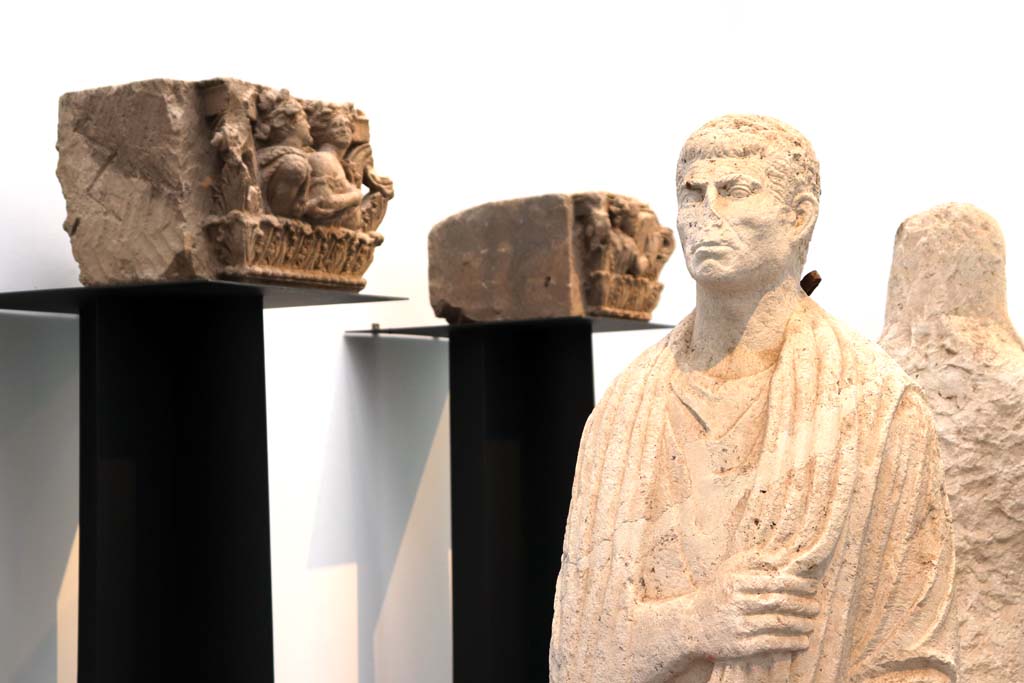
x=175, y=519
x=174, y=512
x=521, y=393
x=520, y=396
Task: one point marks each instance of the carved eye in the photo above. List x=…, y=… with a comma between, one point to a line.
x=691, y=195
x=738, y=191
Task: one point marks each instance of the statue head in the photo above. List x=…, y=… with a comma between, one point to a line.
x=281, y=120
x=748, y=189
x=948, y=261
x=331, y=123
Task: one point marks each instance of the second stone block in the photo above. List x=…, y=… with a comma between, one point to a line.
x=554, y=255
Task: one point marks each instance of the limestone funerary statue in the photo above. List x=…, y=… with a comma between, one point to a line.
x=758, y=497
x=948, y=325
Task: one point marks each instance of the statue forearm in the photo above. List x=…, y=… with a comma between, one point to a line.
x=324, y=206
x=664, y=641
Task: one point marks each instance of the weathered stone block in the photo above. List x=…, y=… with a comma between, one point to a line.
x=549, y=256
x=171, y=180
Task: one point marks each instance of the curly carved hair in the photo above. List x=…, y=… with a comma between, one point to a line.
x=323, y=117
x=276, y=110
x=792, y=164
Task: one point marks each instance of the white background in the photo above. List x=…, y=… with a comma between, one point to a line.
x=907, y=105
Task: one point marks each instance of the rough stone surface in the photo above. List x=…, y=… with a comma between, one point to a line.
x=947, y=325
x=549, y=256
x=172, y=180
x=758, y=497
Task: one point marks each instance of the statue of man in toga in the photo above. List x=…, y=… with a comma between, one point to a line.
x=758, y=497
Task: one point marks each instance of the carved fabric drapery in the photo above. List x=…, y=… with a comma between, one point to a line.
x=854, y=488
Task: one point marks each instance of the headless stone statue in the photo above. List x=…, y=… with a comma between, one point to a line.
x=948, y=326
x=758, y=497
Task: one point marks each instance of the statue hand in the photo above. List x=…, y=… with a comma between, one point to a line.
x=745, y=611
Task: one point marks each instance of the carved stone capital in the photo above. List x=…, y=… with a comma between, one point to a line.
x=170, y=180
x=555, y=255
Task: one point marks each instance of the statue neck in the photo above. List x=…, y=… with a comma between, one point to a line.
x=740, y=333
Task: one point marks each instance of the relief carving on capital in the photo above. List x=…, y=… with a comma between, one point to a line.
x=624, y=249
x=307, y=218
x=238, y=181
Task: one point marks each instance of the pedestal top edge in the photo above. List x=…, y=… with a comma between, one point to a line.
x=71, y=299
x=598, y=324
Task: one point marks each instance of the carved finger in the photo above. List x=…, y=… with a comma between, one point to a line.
x=767, y=643
x=773, y=603
x=775, y=624
x=778, y=583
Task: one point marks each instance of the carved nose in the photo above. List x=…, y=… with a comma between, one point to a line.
x=710, y=217
x=710, y=204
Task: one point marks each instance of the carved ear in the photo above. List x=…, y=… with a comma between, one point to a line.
x=805, y=205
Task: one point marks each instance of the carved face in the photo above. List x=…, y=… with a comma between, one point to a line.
x=300, y=129
x=331, y=124
x=736, y=232
x=338, y=131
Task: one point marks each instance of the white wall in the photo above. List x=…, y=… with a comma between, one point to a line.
x=359, y=496
x=38, y=487
x=908, y=105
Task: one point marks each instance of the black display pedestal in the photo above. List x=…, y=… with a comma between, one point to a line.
x=521, y=393
x=520, y=396
x=175, y=530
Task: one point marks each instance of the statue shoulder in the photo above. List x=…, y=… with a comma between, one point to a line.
x=874, y=364
x=892, y=406
x=640, y=370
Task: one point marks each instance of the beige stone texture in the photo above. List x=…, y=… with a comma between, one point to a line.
x=555, y=255
x=947, y=325
x=759, y=496
x=176, y=180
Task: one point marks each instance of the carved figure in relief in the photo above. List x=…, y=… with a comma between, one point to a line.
x=312, y=160
x=620, y=236
x=947, y=324
x=624, y=248
x=758, y=497
x=342, y=164
x=283, y=140
x=333, y=199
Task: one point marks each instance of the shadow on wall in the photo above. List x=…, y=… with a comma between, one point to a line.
x=40, y=665
x=38, y=487
x=384, y=505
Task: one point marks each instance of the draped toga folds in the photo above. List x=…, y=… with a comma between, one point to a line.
x=825, y=465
